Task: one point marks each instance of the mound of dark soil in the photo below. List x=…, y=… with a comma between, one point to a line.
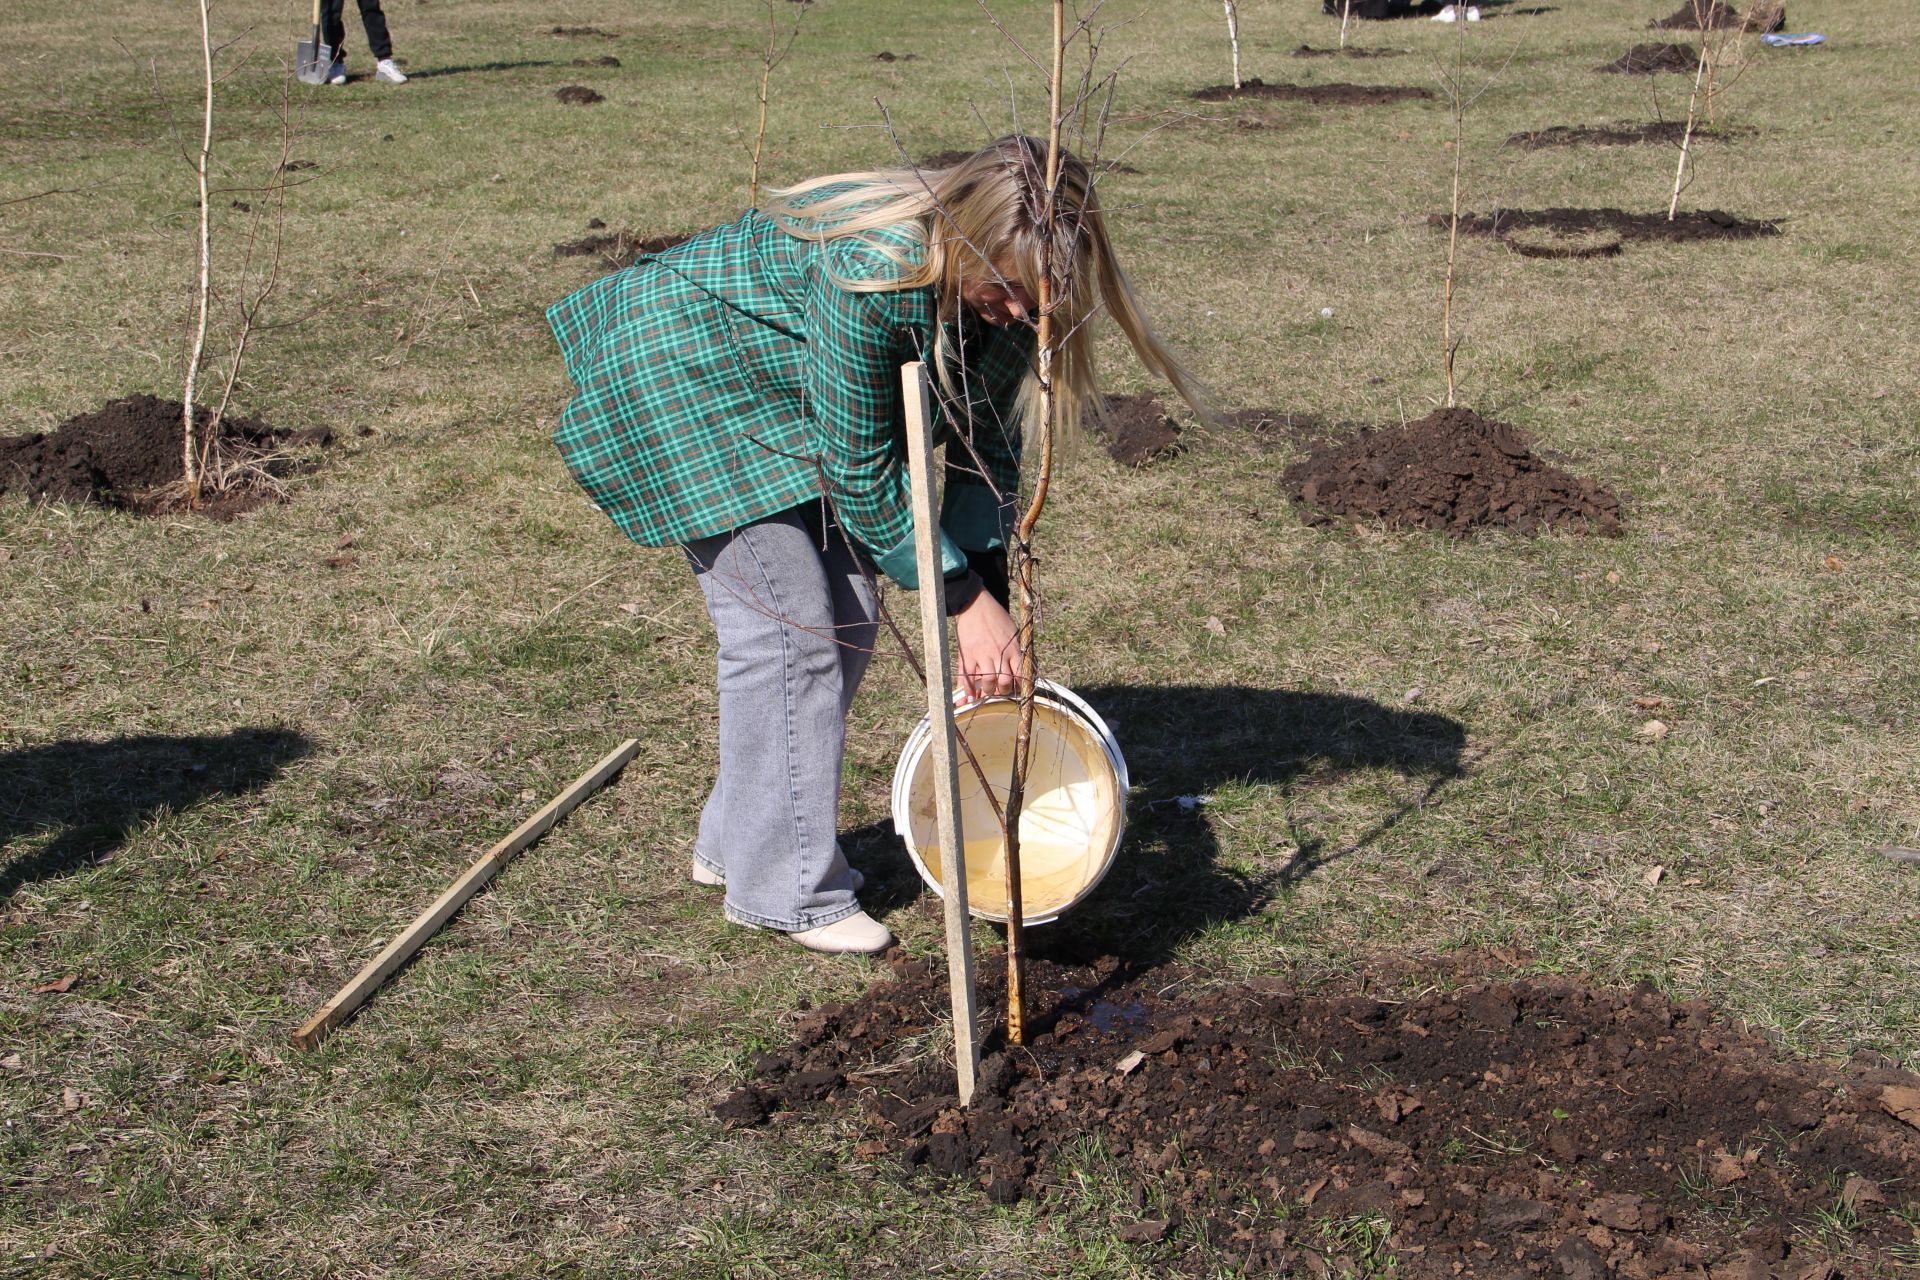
x=578, y=95
x=1308, y=51
x=618, y=248
x=1138, y=431
x=583, y=33
x=1712, y=15
x=606, y=60
x=1701, y=224
x=1451, y=470
x=119, y=454
x=1650, y=59
x=1503, y=1129
x=1664, y=132
x=888, y=55
x=1335, y=95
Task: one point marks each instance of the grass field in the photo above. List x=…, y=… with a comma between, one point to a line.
x=229, y=769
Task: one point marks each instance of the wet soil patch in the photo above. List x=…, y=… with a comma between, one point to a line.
x=1698, y=224
x=127, y=452
x=616, y=249
x=1660, y=132
x=578, y=95
x=1545, y=1126
x=1452, y=470
x=1308, y=51
x=1335, y=95
x=606, y=60
x=1651, y=59
x=1138, y=431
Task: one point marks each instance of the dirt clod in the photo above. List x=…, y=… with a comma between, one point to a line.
x=1138, y=431
x=1456, y=471
x=1651, y=59
x=1271, y=1098
x=578, y=95
x=122, y=453
x=1334, y=95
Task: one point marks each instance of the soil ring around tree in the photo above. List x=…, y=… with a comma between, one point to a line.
x=617, y=249
x=1308, y=51
x=1651, y=59
x=1452, y=471
x=578, y=95
x=1326, y=95
x=1686, y=227
x=1659, y=132
x=1138, y=431
x=126, y=455
x=1483, y=1127
x=1546, y=242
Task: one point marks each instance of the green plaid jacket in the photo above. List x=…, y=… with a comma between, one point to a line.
x=729, y=379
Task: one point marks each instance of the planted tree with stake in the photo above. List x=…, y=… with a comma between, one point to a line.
x=1717, y=66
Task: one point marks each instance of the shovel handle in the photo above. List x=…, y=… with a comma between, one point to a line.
x=316, y=17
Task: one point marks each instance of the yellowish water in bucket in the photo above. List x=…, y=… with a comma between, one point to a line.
x=1067, y=823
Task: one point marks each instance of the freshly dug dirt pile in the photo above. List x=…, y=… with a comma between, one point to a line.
x=583, y=33
x=1665, y=132
x=888, y=55
x=1770, y=15
x=618, y=248
x=1650, y=59
x=118, y=454
x=1501, y=1128
x=578, y=95
x=607, y=60
x=1451, y=470
x=1138, y=431
x=1701, y=224
x=1335, y=95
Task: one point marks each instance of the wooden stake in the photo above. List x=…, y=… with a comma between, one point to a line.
x=946, y=773
x=428, y=922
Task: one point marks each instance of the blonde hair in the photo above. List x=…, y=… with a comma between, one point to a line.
x=971, y=219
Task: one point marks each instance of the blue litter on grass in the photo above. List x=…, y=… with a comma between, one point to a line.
x=1779, y=38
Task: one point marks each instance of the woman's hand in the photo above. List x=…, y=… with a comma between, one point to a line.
x=989, y=649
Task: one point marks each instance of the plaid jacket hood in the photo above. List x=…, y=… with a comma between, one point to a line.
x=734, y=377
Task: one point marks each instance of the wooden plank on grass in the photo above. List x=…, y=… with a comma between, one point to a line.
x=428, y=922
x=946, y=774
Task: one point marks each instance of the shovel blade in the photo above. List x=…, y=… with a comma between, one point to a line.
x=311, y=61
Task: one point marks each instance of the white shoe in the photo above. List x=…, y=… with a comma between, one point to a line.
x=714, y=880
x=1445, y=15
x=337, y=72
x=386, y=73
x=858, y=934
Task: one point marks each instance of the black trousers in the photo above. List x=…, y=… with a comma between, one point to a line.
x=333, y=30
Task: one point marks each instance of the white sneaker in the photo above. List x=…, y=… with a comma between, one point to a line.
x=386, y=73
x=337, y=73
x=714, y=880
x=1445, y=15
x=858, y=934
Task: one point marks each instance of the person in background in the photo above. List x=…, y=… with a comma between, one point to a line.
x=333, y=33
x=739, y=396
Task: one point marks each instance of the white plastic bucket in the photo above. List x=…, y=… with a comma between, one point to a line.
x=1071, y=821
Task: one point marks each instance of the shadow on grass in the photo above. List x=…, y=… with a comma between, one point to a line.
x=89, y=795
x=478, y=68
x=1167, y=883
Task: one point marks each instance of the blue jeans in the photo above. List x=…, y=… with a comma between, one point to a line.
x=796, y=619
